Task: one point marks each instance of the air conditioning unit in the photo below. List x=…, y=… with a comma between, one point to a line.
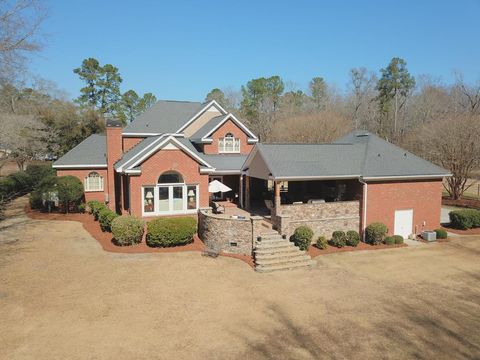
x=429, y=235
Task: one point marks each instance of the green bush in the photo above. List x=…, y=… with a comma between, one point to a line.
x=441, y=234
x=353, y=238
x=398, y=239
x=322, y=242
x=81, y=208
x=167, y=232
x=70, y=190
x=375, y=233
x=389, y=240
x=44, y=194
x=127, y=230
x=302, y=237
x=339, y=239
x=465, y=219
x=37, y=173
x=105, y=218
x=94, y=208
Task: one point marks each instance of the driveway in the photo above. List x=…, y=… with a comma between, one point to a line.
x=63, y=297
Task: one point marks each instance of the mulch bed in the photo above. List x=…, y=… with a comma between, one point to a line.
x=313, y=251
x=467, y=203
x=475, y=231
x=105, y=238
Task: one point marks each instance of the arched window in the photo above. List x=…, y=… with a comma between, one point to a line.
x=94, y=182
x=229, y=144
x=170, y=177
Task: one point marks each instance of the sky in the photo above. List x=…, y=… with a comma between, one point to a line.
x=180, y=50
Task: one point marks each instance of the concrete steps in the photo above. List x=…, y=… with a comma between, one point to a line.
x=274, y=253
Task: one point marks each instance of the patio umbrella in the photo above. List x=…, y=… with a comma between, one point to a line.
x=216, y=186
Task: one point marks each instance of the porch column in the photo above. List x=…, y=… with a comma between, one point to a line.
x=240, y=190
x=247, y=192
x=277, y=197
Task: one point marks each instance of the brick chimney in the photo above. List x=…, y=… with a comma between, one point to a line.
x=114, y=153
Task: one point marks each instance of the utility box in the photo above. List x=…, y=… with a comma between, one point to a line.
x=429, y=235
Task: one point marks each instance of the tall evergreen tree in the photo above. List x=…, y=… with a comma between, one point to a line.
x=318, y=89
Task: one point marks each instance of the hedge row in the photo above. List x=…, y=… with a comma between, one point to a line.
x=22, y=182
x=465, y=219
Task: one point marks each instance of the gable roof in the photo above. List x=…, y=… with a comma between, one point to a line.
x=90, y=153
x=168, y=117
x=164, y=117
x=147, y=147
x=226, y=163
x=203, y=134
x=353, y=156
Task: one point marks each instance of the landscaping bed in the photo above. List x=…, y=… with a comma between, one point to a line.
x=467, y=203
x=313, y=251
x=106, y=240
x=474, y=231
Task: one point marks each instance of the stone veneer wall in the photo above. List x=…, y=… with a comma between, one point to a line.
x=322, y=218
x=219, y=232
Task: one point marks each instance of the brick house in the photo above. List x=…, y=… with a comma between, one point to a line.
x=162, y=162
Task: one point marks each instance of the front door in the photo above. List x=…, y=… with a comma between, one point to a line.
x=403, y=223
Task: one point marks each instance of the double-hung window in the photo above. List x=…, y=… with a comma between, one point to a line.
x=93, y=182
x=229, y=144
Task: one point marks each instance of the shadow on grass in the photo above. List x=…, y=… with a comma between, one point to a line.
x=423, y=323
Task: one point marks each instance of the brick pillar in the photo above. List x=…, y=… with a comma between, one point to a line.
x=277, y=200
x=247, y=192
x=114, y=153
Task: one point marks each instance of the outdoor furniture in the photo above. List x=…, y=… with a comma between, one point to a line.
x=217, y=208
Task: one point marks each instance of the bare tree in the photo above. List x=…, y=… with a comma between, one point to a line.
x=362, y=84
x=469, y=97
x=453, y=143
x=20, y=21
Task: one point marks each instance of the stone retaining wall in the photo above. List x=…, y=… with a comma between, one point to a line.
x=322, y=218
x=224, y=234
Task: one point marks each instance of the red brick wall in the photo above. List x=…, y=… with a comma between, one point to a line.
x=129, y=142
x=424, y=197
x=82, y=174
x=114, y=152
x=228, y=127
x=160, y=162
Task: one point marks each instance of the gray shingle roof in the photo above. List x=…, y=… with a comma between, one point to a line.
x=353, y=155
x=208, y=127
x=165, y=116
x=130, y=154
x=229, y=162
x=91, y=151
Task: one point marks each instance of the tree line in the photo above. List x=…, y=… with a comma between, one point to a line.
x=437, y=121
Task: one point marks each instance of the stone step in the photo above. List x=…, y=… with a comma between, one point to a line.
x=280, y=255
x=269, y=234
x=282, y=260
x=270, y=250
x=270, y=241
x=274, y=244
x=286, y=266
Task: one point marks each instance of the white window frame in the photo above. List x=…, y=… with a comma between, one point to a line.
x=88, y=186
x=156, y=204
x=235, y=146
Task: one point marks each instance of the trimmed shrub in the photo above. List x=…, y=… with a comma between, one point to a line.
x=398, y=239
x=105, y=218
x=37, y=173
x=92, y=204
x=302, y=237
x=127, y=230
x=82, y=207
x=70, y=190
x=465, y=219
x=339, y=239
x=375, y=233
x=441, y=234
x=321, y=242
x=45, y=194
x=389, y=240
x=94, y=208
x=168, y=232
x=353, y=238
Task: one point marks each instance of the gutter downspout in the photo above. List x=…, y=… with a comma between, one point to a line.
x=365, y=196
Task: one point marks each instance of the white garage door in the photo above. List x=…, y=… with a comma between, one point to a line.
x=403, y=222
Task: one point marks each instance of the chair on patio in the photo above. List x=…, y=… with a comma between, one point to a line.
x=217, y=208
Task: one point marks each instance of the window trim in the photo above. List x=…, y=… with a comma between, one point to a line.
x=236, y=143
x=87, y=185
x=157, y=212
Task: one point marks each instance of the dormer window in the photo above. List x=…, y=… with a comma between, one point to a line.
x=229, y=144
